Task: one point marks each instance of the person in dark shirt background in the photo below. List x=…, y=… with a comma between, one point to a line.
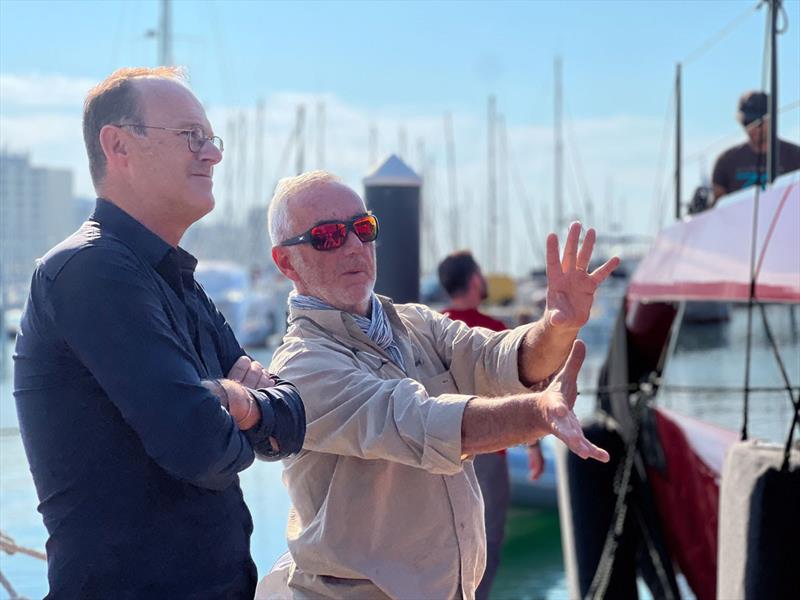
x=133, y=433
x=462, y=279
x=746, y=164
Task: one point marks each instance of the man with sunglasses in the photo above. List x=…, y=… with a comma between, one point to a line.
x=745, y=165
x=399, y=399
x=133, y=433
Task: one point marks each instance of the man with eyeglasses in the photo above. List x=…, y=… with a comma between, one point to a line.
x=137, y=406
x=399, y=398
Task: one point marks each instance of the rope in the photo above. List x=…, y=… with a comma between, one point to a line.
x=685, y=389
x=787, y=386
x=622, y=477
x=9, y=546
x=12, y=593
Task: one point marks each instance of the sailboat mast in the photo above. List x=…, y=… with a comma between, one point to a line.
x=558, y=163
x=373, y=145
x=299, y=140
x=503, y=240
x=165, y=34
x=491, y=177
x=678, y=141
x=452, y=181
x=772, y=156
x=320, y=135
x=258, y=158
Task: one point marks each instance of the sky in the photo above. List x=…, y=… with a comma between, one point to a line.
x=399, y=68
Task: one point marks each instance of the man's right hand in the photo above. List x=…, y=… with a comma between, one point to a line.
x=250, y=373
x=556, y=407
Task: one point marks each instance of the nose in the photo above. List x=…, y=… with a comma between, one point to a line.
x=210, y=153
x=352, y=243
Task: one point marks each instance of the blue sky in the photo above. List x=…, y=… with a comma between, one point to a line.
x=401, y=66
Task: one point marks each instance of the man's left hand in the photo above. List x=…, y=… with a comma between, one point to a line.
x=250, y=373
x=570, y=287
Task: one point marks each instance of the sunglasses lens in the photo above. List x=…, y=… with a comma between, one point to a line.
x=328, y=236
x=366, y=229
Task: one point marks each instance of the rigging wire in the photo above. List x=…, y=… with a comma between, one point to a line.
x=226, y=67
x=661, y=181
x=578, y=174
x=753, y=244
x=115, y=44
x=534, y=234
x=787, y=386
x=720, y=35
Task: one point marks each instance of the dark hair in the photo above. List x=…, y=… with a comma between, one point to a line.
x=456, y=270
x=115, y=100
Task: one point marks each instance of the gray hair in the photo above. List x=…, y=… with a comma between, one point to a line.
x=290, y=187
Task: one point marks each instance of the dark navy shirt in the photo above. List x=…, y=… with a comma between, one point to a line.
x=135, y=462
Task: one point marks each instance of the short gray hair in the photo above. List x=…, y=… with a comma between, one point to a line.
x=288, y=188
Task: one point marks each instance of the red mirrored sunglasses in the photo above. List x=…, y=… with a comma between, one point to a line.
x=330, y=235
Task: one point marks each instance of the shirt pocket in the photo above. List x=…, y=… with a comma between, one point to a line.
x=443, y=383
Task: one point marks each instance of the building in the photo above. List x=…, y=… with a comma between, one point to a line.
x=36, y=212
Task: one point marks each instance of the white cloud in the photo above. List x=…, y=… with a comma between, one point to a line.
x=41, y=115
x=31, y=91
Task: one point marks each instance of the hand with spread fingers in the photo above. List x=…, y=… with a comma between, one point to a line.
x=570, y=286
x=556, y=405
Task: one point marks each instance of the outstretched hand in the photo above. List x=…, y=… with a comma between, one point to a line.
x=557, y=403
x=570, y=287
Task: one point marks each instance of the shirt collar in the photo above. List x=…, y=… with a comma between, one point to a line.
x=135, y=235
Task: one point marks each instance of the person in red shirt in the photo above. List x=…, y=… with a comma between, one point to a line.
x=461, y=277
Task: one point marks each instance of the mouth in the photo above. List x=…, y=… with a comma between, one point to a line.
x=203, y=175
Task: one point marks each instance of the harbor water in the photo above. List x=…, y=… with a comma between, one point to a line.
x=532, y=565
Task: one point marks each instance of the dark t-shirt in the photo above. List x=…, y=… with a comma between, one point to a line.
x=740, y=167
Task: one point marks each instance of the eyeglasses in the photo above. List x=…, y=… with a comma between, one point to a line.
x=195, y=136
x=330, y=235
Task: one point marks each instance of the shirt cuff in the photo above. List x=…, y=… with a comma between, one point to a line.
x=283, y=418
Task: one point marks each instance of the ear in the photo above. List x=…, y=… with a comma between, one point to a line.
x=115, y=146
x=283, y=260
x=475, y=282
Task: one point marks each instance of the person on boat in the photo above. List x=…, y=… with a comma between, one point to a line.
x=461, y=277
x=133, y=434
x=745, y=165
x=399, y=398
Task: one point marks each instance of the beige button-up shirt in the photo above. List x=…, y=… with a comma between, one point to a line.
x=382, y=503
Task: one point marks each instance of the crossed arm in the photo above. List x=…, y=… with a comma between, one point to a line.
x=236, y=395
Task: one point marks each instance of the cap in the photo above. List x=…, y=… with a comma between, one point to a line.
x=752, y=107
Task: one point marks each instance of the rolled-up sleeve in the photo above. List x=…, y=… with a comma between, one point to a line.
x=112, y=318
x=352, y=412
x=483, y=362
